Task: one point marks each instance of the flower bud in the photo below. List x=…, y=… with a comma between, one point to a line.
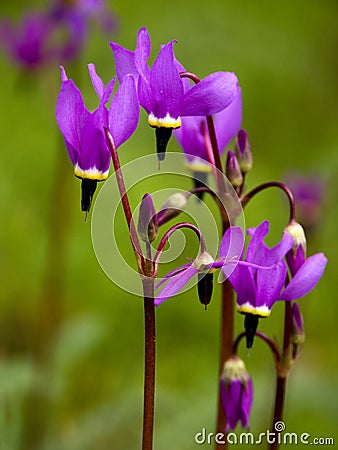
x=297, y=335
x=243, y=151
x=296, y=256
x=233, y=171
x=147, y=220
x=236, y=393
x=173, y=206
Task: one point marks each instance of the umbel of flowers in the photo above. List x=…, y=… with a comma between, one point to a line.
x=205, y=115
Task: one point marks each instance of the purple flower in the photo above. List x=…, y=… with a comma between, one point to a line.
x=161, y=90
x=258, y=288
x=194, y=139
x=83, y=130
x=26, y=43
x=236, y=393
x=204, y=266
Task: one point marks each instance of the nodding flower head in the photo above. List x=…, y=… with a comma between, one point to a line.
x=162, y=92
x=236, y=393
x=83, y=130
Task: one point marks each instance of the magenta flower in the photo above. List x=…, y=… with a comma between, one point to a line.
x=236, y=393
x=83, y=130
x=204, y=266
x=258, y=288
x=26, y=42
x=194, y=139
x=161, y=90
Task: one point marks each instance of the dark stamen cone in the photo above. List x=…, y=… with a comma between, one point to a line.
x=250, y=325
x=204, y=287
x=88, y=188
x=200, y=180
x=162, y=138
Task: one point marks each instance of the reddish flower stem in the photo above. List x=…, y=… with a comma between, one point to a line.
x=149, y=363
x=282, y=376
x=273, y=347
x=123, y=194
x=247, y=197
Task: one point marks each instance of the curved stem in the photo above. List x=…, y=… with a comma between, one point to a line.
x=171, y=231
x=273, y=347
x=247, y=197
x=149, y=363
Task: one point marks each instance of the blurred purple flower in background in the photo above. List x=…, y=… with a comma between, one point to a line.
x=55, y=35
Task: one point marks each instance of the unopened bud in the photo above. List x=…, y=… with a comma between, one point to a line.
x=297, y=232
x=297, y=335
x=233, y=170
x=234, y=369
x=147, y=220
x=173, y=206
x=243, y=151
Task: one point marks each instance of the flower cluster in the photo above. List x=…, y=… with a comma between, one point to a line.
x=205, y=117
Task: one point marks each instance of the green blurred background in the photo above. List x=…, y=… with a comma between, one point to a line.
x=71, y=341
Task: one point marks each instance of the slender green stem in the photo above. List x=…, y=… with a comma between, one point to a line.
x=149, y=363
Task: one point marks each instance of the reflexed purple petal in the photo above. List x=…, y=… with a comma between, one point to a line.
x=246, y=404
x=94, y=151
x=124, y=61
x=255, y=251
x=142, y=53
x=124, y=111
x=306, y=278
x=190, y=136
x=228, y=122
x=295, y=262
x=70, y=112
x=297, y=318
x=108, y=91
x=172, y=274
x=269, y=284
x=144, y=94
x=231, y=401
x=96, y=80
x=243, y=283
x=175, y=284
x=166, y=84
x=232, y=243
x=212, y=94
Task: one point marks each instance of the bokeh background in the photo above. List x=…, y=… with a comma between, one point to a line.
x=71, y=345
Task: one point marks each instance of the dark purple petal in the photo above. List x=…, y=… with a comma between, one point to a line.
x=166, y=84
x=269, y=283
x=175, y=284
x=211, y=95
x=295, y=262
x=124, y=111
x=228, y=122
x=144, y=94
x=108, y=91
x=306, y=278
x=297, y=318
